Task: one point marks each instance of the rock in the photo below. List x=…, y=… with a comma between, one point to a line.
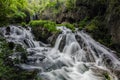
x=7, y=30
x=117, y=73
x=62, y=43
x=11, y=45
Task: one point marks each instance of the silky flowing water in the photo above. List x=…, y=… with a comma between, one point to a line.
x=75, y=56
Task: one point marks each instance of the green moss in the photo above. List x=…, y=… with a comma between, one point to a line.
x=18, y=17
x=97, y=28
x=68, y=25
x=23, y=24
x=106, y=75
x=83, y=23
x=38, y=78
x=49, y=25
x=93, y=25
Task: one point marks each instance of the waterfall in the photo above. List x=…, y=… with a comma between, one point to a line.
x=80, y=58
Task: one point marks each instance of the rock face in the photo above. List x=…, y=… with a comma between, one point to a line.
x=82, y=9
x=107, y=10
x=44, y=35
x=113, y=23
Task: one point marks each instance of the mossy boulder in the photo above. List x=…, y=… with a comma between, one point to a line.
x=43, y=30
x=68, y=25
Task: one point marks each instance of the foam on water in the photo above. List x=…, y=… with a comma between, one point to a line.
x=80, y=58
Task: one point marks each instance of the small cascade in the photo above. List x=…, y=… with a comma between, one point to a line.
x=20, y=35
x=75, y=56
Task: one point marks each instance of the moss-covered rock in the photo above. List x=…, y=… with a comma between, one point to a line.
x=68, y=25
x=43, y=30
x=106, y=75
x=49, y=25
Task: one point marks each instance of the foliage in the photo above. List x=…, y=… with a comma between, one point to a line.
x=12, y=10
x=23, y=24
x=18, y=10
x=83, y=23
x=51, y=26
x=43, y=29
x=98, y=30
x=4, y=9
x=93, y=25
x=19, y=17
x=7, y=69
x=70, y=4
x=68, y=25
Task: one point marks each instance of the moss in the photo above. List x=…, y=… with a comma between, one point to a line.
x=7, y=69
x=97, y=28
x=18, y=17
x=83, y=23
x=38, y=78
x=68, y=25
x=43, y=29
x=92, y=25
x=23, y=24
x=51, y=26
x=106, y=75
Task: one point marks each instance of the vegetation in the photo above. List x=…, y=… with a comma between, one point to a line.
x=51, y=26
x=70, y=4
x=99, y=31
x=93, y=25
x=83, y=23
x=7, y=69
x=12, y=10
x=107, y=76
x=100, y=18
x=68, y=25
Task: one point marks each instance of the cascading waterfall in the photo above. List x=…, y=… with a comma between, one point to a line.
x=80, y=58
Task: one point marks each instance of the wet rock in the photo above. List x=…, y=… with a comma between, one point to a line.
x=51, y=39
x=62, y=43
x=117, y=73
x=7, y=30
x=44, y=35
x=11, y=45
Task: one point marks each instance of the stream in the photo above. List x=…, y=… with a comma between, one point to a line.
x=75, y=55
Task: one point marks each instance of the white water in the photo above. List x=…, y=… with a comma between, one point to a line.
x=80, y=58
